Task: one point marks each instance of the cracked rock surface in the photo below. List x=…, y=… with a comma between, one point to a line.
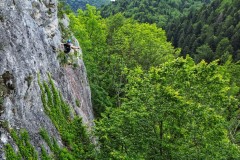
x=29, y=39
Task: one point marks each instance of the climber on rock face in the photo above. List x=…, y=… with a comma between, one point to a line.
x=68, y=46
x=70, y=54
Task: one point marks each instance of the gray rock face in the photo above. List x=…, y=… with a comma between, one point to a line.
x=29, y=39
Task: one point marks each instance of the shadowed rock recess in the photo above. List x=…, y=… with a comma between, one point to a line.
x=29, y=40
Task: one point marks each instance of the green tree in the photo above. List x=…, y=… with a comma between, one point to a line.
x=142, y=44
x=224, y=48
x=112, y=44
x=204, y=52
x=175, y=111
x=156, y=11
x=208, y=26
x=90, y=29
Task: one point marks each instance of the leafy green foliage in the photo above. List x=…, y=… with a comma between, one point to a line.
x=110, y=45
x=90, y=31
x=10, y=153
x=176, y=111
x=66, y=33
x=203, y=52
x=63, y=8
x=216, y=25
x=26, y=149
x=158, y=11
x=142, y=44
x=152, y=105
x=68, y=58
x=149, y=103
x=63, y=58
x=45, y=155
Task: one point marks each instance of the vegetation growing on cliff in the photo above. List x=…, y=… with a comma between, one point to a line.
x=77, y=143
x=26, y=149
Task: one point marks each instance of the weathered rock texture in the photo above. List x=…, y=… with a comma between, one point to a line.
x=29, y=40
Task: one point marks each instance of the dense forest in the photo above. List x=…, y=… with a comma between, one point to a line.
x=158, y=11
x=212, y=33
x=153, y=99
x=81, y=4
x=151, y=103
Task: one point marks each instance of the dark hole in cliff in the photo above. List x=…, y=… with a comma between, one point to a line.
x=8, y=80
x=6, y=86
x=40, y=55
x=14, y=111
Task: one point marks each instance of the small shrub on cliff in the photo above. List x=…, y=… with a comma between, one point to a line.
x=62, y=57
x=26, y=149
x=74, y=135
x=10, y=153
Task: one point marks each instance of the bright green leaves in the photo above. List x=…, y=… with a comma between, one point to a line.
x=155, y=106
x=110, y=45
x=142, y=44
x=10, y=153
x=175, y=111
x=89, y=29
x=25, y=148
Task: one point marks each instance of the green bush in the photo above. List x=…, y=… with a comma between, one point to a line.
x=62, y=57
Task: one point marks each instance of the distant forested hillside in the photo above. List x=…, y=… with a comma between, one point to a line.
x=211, y=33
x=153, y=11
x=76, y=4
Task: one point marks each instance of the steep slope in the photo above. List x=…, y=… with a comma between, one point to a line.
x=29, y=45
x=211, y=33
x=159, y=11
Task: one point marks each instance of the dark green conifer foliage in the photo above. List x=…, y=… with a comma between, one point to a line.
x=155, y=11
x=81, y=4
x=216, y=25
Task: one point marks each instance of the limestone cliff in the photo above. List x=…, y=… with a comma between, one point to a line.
x=29, y=43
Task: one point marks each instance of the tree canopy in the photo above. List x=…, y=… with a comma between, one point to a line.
x=157, y=11
x=150, y=103
x=81, y=4
x=215, y=25
x=178, y=110
x=112, y=44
